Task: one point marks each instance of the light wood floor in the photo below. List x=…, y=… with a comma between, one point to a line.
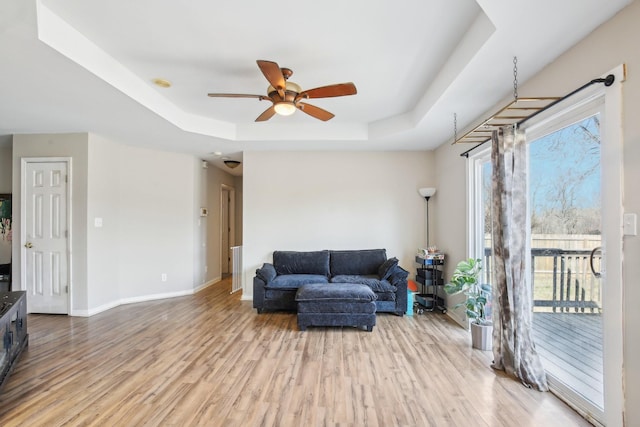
x=210, y=360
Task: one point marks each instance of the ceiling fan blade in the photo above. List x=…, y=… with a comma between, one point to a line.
x=314, y=111
x=340, y=89
x=267, y=114
x=274, y=76
x=237, y=95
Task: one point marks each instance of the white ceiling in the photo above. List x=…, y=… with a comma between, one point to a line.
x=88, y=66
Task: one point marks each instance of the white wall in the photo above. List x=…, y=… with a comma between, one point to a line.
x=327, y=200
x=148, y=201
x=156, y=223
x=200, y=226
x=103, y=243
x=612, y=44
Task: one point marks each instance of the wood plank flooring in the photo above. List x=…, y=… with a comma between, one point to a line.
x=210, y=360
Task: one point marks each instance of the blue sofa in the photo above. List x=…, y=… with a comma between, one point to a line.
x=275, y=284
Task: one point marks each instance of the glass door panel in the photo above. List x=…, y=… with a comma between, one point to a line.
x=565, y=231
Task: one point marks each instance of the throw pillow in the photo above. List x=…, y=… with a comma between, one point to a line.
x=267, y=273
x=385, y=270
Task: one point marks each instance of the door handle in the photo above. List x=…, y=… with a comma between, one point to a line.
x=28, y=245
x=593, y=270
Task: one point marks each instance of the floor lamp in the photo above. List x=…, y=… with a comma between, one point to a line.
x=427, y=193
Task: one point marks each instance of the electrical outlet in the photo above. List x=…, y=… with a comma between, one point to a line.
x=163, y=277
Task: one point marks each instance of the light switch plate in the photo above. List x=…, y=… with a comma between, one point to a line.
x=97, y=222
x=630, y=227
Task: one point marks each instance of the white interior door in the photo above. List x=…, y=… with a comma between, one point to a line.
x=45, y=238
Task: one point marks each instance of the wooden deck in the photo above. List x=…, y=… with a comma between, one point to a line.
x=570, y=345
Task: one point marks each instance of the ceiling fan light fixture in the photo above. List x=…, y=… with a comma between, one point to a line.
x=285, y=96
x=285, y=108
x=232, y=164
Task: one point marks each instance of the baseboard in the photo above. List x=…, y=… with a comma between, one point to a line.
x=134, y=300
x=143, y=298
x=459, y=320
x=207, y=284
x=95, y=310
x=153, y=297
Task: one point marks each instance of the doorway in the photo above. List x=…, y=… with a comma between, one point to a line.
x=45, y=239
x=227, y=228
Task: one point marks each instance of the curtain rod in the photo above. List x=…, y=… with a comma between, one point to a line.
x=608, y=81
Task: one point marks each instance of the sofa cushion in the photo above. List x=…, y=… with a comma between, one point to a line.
x=340, y=292
x=294, y=262
x=355, y=262
x=385, y=270
x=371, y=281
x=386, y=296
x=294, y=281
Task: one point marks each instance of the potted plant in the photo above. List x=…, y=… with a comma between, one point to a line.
x=465, y=279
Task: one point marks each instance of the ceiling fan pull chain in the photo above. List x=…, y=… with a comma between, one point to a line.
x=515, y=78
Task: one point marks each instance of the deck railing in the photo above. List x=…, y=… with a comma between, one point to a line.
x=562, y=280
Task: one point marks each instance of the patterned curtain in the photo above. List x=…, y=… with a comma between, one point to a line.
x=513, y=348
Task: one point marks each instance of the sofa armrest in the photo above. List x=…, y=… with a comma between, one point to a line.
x=399, y=279
x=258, y=293
x=266, y=273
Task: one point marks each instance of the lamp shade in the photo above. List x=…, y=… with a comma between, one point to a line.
x=427, y=192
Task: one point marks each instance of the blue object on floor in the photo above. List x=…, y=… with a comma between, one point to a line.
x=409, y=303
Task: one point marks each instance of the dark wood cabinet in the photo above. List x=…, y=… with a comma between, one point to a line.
x=13, y=330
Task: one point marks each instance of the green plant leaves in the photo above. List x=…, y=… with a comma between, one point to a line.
x=465, y=279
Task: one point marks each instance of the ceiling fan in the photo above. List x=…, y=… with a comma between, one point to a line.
x=287, y=96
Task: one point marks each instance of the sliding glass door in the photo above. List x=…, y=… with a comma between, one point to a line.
x=566, y=241
x=575, y=231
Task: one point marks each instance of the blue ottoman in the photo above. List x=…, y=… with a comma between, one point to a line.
x=336, y=304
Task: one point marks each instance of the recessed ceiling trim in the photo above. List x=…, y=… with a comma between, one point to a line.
x=311, y=131
x=62, y=37
x=469, y=46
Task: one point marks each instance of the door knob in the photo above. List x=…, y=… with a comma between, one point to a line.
x=28, y=245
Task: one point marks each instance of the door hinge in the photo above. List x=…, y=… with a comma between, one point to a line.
x=66, y=289
x=66, y=234
x=66, y=178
